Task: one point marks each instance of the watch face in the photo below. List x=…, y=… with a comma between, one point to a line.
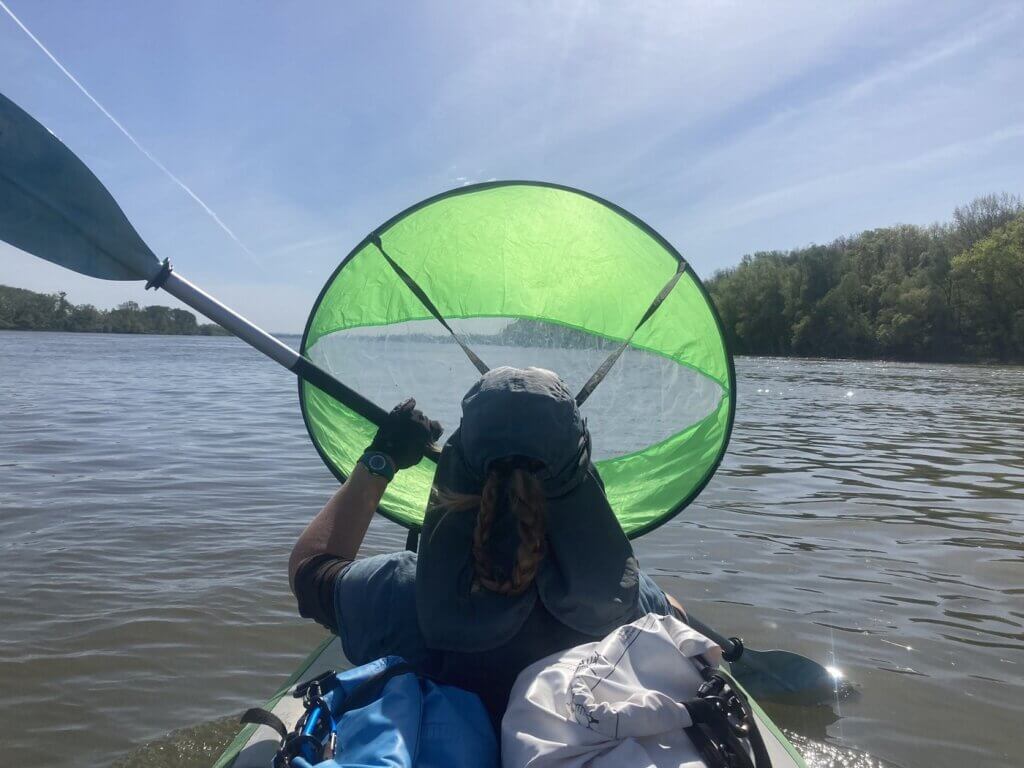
x=378, y=463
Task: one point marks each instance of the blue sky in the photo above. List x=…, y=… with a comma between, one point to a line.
x=729, y=127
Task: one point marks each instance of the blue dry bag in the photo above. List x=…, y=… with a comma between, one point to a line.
x=383, y=714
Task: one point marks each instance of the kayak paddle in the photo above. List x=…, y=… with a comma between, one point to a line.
x=54, y=207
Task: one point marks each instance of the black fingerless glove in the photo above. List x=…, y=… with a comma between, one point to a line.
x=405, y=435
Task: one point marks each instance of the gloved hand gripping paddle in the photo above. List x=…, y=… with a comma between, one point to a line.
x=405, y=435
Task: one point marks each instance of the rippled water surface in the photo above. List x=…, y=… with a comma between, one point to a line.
x=868, y=514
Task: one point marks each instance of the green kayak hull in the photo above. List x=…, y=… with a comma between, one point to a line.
x=255, y=745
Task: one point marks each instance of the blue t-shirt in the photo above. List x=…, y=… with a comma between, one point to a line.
x=375, y=607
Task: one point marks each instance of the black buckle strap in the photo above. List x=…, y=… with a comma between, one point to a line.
x=296, y=742
x=293, y=743
x=260, y=716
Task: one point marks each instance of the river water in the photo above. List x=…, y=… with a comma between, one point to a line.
x=869, y=515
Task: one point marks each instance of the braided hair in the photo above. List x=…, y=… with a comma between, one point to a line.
x=511, y=486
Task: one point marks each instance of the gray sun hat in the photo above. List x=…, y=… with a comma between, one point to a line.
x=525, y=412
x=588, y=578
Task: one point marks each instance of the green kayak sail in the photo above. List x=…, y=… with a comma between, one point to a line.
x=529, y=273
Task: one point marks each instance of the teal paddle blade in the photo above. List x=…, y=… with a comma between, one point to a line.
x=53, y=207
x=787, y=676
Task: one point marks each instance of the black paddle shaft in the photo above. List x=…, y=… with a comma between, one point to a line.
x=732, y=647
x=306, y=369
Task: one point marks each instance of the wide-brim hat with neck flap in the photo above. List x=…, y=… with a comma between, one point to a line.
x=588, y=578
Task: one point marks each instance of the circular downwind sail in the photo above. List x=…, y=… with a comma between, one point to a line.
x=524, y=273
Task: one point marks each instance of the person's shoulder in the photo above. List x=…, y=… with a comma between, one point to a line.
x=652, y=598
x=375, y=605
x=392, y=565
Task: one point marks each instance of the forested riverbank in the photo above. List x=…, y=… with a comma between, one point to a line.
x=951, y=292
x=948, y=292
x=24, y=310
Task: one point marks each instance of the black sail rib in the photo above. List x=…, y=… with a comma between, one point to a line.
x=600, y=373
x=420, y=294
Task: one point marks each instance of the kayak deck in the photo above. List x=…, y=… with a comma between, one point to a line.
x=255, y=745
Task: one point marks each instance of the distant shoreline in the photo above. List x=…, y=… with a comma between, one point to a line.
x=130, y=333
x=25, y=310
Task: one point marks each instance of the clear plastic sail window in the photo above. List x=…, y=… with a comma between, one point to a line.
x=528, y=274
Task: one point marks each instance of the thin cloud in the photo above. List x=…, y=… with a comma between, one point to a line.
x=801, y=194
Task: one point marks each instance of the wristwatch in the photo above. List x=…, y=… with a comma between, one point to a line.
x=378, y=463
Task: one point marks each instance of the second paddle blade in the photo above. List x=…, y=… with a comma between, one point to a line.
x=789, y=677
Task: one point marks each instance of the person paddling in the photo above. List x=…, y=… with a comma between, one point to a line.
x=521, y=555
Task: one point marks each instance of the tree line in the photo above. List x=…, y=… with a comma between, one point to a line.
x=23, y=310
x=949, y=292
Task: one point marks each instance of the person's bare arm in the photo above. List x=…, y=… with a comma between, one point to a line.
x=677, y=605
x=338, y=530
x=340, y=526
